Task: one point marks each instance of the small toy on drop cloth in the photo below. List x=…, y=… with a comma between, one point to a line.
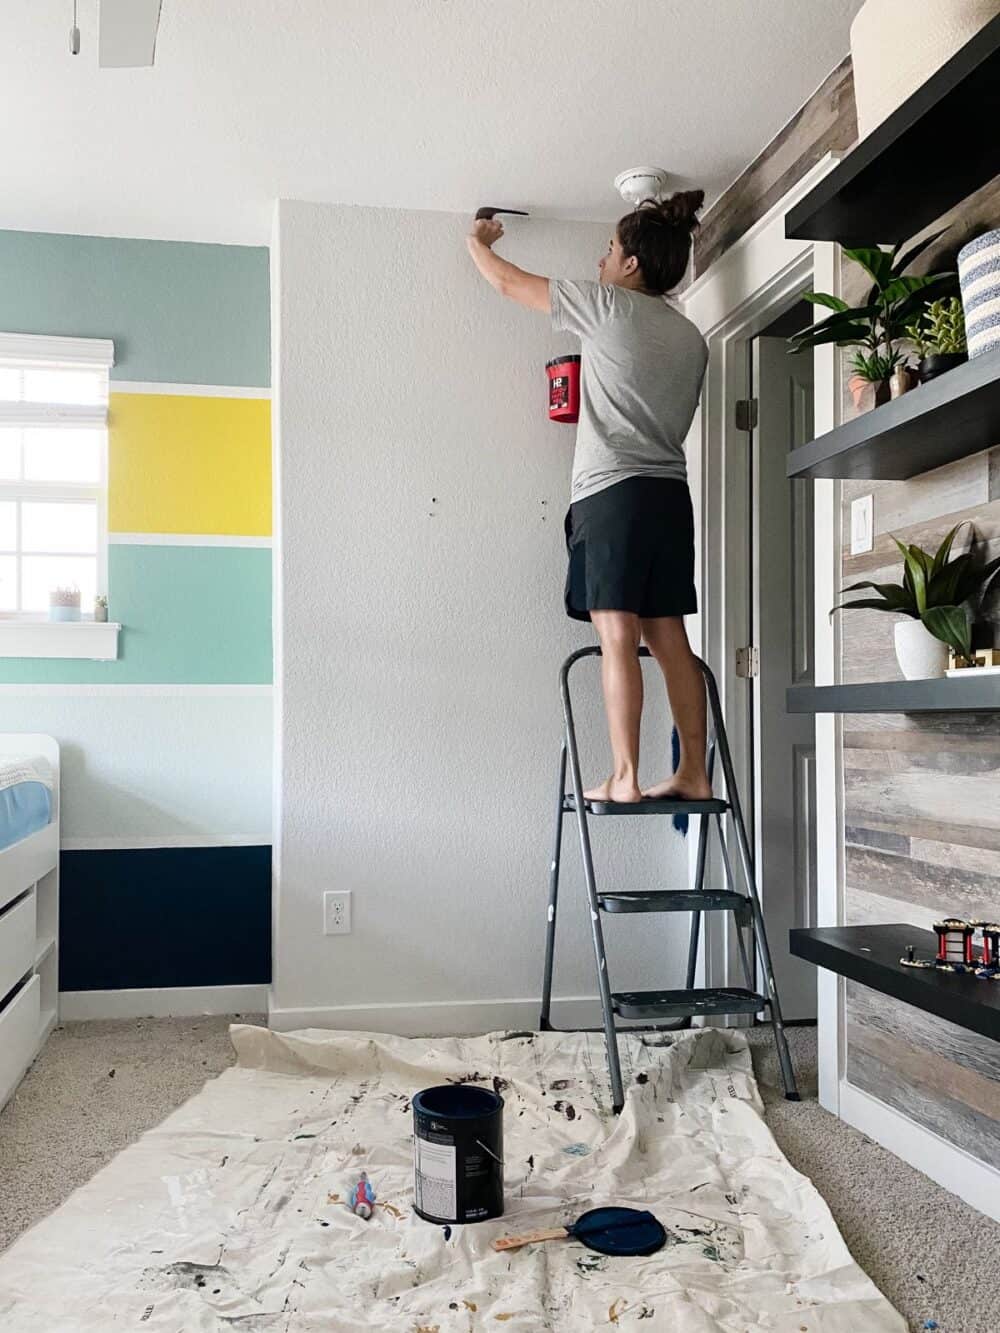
x=362, y=1199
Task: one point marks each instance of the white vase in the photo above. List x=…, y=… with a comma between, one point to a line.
x=896, y=46
x=919, y=654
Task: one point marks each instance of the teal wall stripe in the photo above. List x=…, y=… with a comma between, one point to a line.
x=178, y=311
x=191, y=615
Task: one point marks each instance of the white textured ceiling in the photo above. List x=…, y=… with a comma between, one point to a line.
x=406, y=103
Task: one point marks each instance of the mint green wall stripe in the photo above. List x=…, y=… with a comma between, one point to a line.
x=178, y=311
x=192, y=615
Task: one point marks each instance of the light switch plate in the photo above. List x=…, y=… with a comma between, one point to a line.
x=862, y=525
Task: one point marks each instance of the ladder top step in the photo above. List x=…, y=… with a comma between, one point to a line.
x=686, y=1003
x=677, y=900
x=648, y=807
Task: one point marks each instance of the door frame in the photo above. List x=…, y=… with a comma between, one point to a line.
x=732, y=302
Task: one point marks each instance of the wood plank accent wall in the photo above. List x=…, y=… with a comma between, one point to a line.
x=827, y=122
x=922, y=792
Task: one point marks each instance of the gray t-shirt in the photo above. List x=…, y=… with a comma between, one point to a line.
x=642, y=368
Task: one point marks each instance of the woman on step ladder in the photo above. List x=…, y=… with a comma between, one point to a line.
x=630, y=527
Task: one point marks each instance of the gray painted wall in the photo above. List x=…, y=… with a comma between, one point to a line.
x=420, y=495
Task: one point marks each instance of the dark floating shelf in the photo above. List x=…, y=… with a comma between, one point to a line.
x=871, y=954
x=938, y=147
x=948, y=418
x=980, y=693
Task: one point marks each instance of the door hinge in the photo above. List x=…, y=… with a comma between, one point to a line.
x=747, y=662
x=746, y=414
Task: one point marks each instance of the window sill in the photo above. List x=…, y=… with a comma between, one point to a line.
x=97, y=640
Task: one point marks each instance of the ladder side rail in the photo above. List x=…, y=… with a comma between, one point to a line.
x=607, y=1010
x=747, y=866
x=699, y=878
x=550, y=929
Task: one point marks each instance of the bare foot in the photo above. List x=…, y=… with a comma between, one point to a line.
x=681, y=787
x=622, y=791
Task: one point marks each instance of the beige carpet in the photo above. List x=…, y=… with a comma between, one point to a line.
x=97, y=1086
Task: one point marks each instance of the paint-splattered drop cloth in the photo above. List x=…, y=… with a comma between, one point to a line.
x=233, y=1213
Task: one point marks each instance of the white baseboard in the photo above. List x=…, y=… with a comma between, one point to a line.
x=168, y=1002
x=969, y=1177
x=439, y=1018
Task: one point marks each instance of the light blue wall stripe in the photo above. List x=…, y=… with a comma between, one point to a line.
x=193, y=615
x=179, y=312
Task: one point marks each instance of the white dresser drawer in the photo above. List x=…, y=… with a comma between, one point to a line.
x=17, y=942
x=18, y=1036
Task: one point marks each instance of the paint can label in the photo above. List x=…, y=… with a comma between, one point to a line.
x=435, y=1178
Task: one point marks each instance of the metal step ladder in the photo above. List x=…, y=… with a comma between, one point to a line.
x=690, y=1002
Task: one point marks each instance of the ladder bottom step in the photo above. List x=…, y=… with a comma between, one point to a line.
x=685, y=1003
x=677, y=900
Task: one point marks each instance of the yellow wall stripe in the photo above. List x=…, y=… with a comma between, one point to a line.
x=189, y=464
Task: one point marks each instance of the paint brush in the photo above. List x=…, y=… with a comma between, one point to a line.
x=607, y=1230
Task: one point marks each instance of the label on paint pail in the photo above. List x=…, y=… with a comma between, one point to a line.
x=436, y=1191
x=558, y=393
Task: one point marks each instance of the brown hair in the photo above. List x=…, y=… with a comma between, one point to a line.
x=658, y=234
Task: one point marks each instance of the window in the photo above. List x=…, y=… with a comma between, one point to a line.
x=53, y=471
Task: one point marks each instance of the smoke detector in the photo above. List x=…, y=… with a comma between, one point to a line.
x=639, y=183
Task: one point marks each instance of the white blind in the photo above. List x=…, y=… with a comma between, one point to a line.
x=53, y=470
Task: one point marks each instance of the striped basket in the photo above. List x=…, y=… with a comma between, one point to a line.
x=979, y=274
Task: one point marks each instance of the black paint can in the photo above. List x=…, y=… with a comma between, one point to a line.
x=458, y=1154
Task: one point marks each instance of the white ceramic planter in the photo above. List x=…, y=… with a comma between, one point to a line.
x=897, y=45
x=919, y=654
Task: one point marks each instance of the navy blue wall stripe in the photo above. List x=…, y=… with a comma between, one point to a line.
x=165, y=916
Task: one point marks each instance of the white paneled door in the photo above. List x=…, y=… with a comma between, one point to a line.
x=781, y=596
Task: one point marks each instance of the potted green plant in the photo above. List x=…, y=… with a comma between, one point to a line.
x=939, y=338
x=877, y=327
x=100, y=609
x=939, y=596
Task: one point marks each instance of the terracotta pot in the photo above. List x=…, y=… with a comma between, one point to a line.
x=919, y=654
x=867, y=394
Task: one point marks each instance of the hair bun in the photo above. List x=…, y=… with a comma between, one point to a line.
x=680, y=209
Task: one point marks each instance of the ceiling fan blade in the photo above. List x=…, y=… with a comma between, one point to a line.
x=128, y=33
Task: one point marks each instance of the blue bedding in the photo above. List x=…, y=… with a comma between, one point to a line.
x=24, y=808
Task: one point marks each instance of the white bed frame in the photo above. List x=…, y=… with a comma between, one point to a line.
x=29, y=928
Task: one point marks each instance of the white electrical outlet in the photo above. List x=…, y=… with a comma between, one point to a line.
x=337, y=913
x=862, y=524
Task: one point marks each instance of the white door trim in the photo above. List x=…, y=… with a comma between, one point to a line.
x=731, y=303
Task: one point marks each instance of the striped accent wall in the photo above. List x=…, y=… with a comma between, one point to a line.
x=166, y=751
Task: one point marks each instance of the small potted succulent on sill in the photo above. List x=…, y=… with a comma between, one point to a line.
x=64, y=604
x=939, y=338
x=939, y=596
x=100, y=609
x=876, y=328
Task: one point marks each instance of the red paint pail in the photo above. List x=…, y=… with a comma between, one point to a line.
x=564, y=388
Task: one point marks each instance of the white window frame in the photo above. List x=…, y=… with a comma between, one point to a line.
x=30, y=633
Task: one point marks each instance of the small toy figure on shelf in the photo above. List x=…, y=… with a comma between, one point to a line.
x=955, y=952
x=954, y=942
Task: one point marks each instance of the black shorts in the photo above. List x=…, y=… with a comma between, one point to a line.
x=631, y=548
